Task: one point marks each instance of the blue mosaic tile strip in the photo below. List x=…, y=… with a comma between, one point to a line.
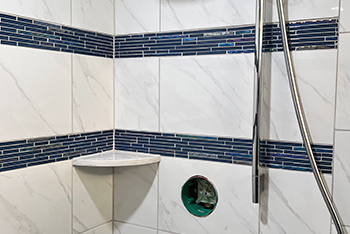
x=36, y=151
x=25, y=32
x=274, y=154
x=303, y=35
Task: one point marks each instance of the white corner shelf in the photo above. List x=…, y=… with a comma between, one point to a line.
x=116, y=158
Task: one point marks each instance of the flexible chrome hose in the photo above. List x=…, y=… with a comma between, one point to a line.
x=302, y=121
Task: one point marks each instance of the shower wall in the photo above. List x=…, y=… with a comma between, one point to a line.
x=342, y=121
x=47, y=94
x=212, y=95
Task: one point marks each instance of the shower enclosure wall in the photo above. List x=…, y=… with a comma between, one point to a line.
x=188, y=108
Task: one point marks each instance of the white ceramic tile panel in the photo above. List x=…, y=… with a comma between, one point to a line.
x=35, y=93
x=176, y=15
x=292, y=203
x=36, y=199
x=92, y=197
x=134, y=16
x=103, y=229
x=136, y=195
x=125, y=228
x=334, y=231
x=189, y=14
x=343, y=89
x=303, y=9
x=92, y=93
x=234, y=212
x=48, y=10
x=97, y=15
x=137, y=93
x=207, y=95
x=344, y=21
x=341, y=187
x=316, y=74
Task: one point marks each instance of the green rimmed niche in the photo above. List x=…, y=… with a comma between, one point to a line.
x=199, y=196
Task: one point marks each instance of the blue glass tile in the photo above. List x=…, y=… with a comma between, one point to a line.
x=5, y=29
x=14, y=23
x=241, y=28
x=3, y=16
x=13, y=167
x=24, y=20
x=37, y=46
x=11, y=26
x=47, y=24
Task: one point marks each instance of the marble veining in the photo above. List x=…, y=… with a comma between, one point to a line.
x=343, y=86
x=53, y=11
x=203, y=96
x=341, y=187
x=97, y=15
x=116, y=159
x=315, y=71
x=92, y=93
x=292, y=203
x=200, y=13
x=48, y=187
x=137, y=86
x=34, y=94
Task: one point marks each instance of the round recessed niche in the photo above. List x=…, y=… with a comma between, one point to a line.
x=199, y=196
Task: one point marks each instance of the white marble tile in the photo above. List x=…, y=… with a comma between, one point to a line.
x=292, y=203
x=341, y=187
x=345, y=229
x=344, y=18
x=343, y=89
x=35, y=93
x=125, y=228
x=136, y=194
x=92, y=93
x=103, y=229
x=36, y=199
x=133, y=16
x=303, y=9
x=316, y=75
x=207, y=95
x=137, y=93
x=48, y=10
x=92, y=197
x=96, y=15
x=176, y=15
x=234, y=212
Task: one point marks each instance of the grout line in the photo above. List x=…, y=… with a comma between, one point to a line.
x=136, y=225
x=342, y=130
x=92, y=229
x=72, y=198
x=72, y=92
x=158, y=196
x=335, y=109
x=160, y=16
x=159, y=80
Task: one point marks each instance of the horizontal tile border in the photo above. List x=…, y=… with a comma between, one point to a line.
x=32, y=33
x=37, y=34
x=37, y=151
x=274, y=154
x=303, y=35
